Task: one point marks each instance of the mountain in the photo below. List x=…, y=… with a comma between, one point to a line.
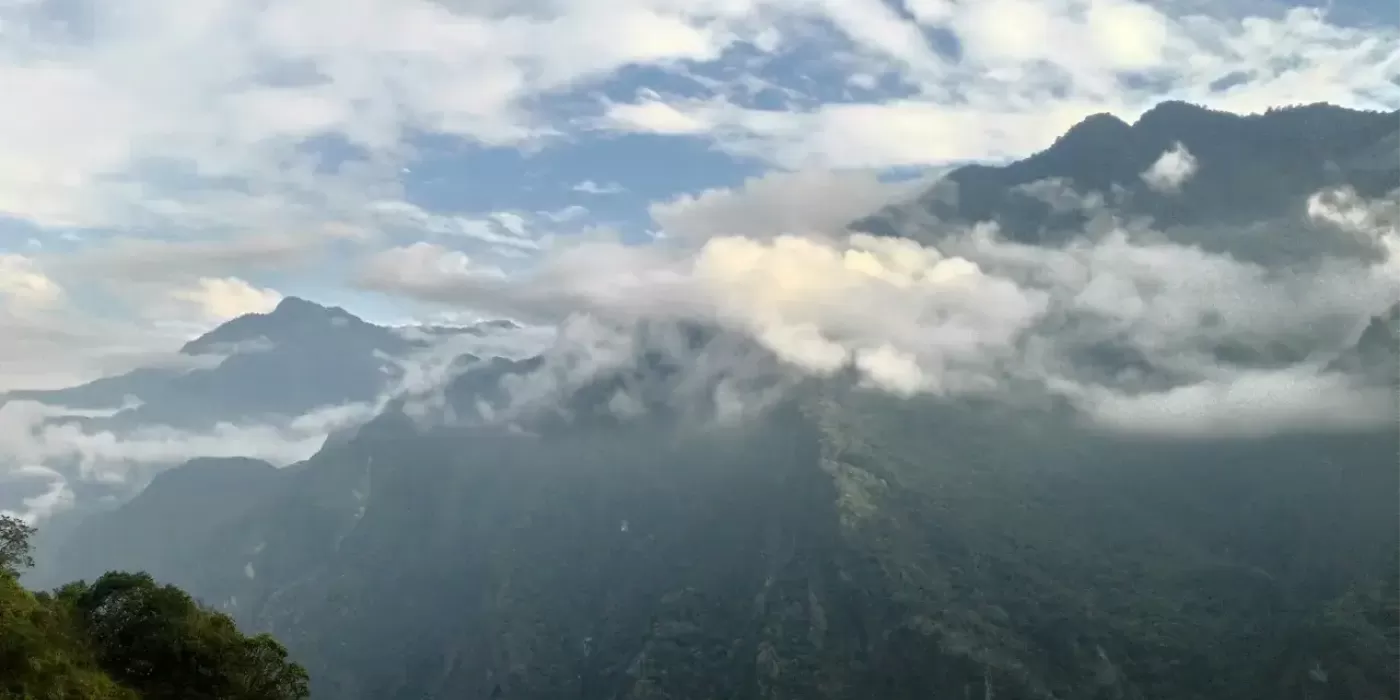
x=1246, y=169
x=247, y=380
x=843, y=545
x=171, y=520
x=299, y=357
x=663, y=525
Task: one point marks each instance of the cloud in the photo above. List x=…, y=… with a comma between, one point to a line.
x=56, y=441
x=50, y=342
x=140, y=110
x=656, y=117
x=141, y=115
x=651, y=369
x=1170, y=171
x=162, y=146
x=483, y=338
x=53, y=496
x=38, y=434
x=802, y=203
x=1249, y=404
x=426, y=265
x=498, y=230
x=1116, y=317
x=591, y=187
x=127, y=259
x=64, y=447
x=69, y=318
x=24, y=286
x=1016, y=86
x=220, y=299
x=566, y=214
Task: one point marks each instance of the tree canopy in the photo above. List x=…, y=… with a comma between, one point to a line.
x=127, y=637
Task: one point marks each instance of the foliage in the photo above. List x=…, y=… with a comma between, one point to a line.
x=125, y=637
x=14, y=545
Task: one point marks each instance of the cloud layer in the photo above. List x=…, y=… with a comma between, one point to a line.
x=1142, y=333
x=47, y=450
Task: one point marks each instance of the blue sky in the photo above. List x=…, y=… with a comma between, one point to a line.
x=171, y=165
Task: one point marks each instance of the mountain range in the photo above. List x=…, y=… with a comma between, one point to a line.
x=299, y=357
x=614, y=537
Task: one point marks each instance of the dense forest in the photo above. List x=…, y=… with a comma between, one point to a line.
x=126, y=637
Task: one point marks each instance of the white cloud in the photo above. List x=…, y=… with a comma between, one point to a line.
x=64, y=446
x=34, y=436
x=213, y=141
x=1250, y=404
x=569, y=213
x=1020, y=84
x=41, y=501
x=802, y=203
x=48, y=342
x=123, y=260
x=1171, y=170
x=142, y=104
x=978, y=313
x=498, y=229
x=427, y=264
x=510, y=221
x=218, y=299
x=211, y=114
x=656, y=117
x=24, y=287
x=591, y=187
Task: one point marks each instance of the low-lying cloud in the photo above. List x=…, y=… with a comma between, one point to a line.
x=1170, y=171
x=59, y=447
x=1129, y=325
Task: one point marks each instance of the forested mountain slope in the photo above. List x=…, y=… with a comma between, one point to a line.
x=650, y=531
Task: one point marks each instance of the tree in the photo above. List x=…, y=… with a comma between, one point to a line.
x=14, y=545
x=160, y=642
x=126, y=637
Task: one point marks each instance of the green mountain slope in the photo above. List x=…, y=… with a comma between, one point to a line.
x=847, y=546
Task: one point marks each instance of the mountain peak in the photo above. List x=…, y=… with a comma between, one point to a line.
x=1176, y=109
x=293, y=315
x=297, y=307
x=293, y=304
x=1096, y=128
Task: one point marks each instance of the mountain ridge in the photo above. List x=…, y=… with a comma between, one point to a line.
x=609, y=537
x=1246, y=168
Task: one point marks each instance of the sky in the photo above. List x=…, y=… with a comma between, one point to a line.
x=168, y=166
x=587, y=164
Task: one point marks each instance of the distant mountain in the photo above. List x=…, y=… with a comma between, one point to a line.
x=1246, y=168
x=259, y=369
x=299, y=357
